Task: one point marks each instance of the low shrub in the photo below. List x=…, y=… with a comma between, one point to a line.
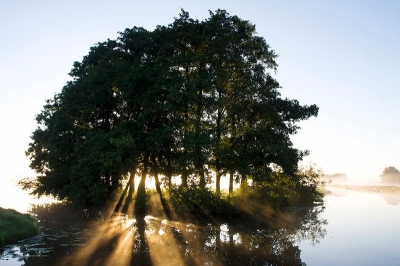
x=198, y=200
x=280, y=191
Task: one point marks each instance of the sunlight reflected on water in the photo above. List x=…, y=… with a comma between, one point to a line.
x=123, y=240
x=352, y=228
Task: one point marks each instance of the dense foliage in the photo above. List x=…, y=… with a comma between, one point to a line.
x=192, y=99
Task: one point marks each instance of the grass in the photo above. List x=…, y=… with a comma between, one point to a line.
x=378, y=189
x=15, y=226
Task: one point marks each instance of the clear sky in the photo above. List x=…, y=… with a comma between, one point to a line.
x=342, y=55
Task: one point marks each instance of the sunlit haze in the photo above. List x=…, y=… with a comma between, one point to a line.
x=342, y=55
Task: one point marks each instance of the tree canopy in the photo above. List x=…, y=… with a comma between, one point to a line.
x=192, y=99
x=390, y=175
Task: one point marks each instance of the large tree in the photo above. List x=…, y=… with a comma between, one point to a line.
x=192, y=99
x=390, y=175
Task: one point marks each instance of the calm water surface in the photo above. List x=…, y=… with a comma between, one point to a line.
x=352, y=228
x=362, y=229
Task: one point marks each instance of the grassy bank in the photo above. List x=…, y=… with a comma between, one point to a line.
x=378, y=189
x=15, y=226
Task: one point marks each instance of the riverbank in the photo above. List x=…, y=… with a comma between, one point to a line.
x=378, y=189
x=15, y=226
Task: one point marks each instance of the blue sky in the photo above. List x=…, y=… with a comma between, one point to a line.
x=342, y=55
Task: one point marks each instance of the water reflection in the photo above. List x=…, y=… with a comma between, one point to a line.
x=86, y=237
x=391, y=199
x=362, y=230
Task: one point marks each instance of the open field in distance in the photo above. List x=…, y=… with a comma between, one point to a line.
x=379, y=189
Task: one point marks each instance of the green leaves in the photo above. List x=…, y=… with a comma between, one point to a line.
x=185, y=99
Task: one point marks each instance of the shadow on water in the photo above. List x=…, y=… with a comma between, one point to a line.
x=94, y=236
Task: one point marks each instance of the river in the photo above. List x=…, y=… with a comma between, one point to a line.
x=362, y=229
x=351, y=228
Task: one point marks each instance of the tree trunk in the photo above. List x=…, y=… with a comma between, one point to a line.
x=131, y=183
x=121, y=198
x=230, y=182
x=184, y=179
x=169, y=173
x=132, y=180
x=199, y=157
x=169, y=180
x=140, y=203
x=217, y=159
x=218, y=182
x=142, y=184
x=158, y=187
x=232, y=161
x=202, y=179
x=108, y=182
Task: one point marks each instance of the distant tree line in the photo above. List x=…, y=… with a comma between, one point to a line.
x=192, y=99
x=390, y=175
x=335, y=178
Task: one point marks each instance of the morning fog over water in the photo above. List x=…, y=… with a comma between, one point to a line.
x=351, y=228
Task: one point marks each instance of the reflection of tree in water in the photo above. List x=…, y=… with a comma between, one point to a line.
x=391, y=199
x=244, y=244
x=154, y=241
x=311, y=225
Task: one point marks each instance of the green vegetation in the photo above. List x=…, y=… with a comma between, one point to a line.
x=379, y=189
x=255, y=199
x=15, y=226
x=193, y=99
x=200, y=202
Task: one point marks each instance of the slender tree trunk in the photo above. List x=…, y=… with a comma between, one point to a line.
x=201, y=170
x=140, y=203
x=107, y=177
x=131, y=183
x=132, y=180
x=169, y=177
x=217, y=160
x=121, y=198
x=142, y=182
x=202, y=179
x=199, y=160
x=157, y=181
x=164, y=203
x=169, y=173
x=230, y=182
x=233, y=157
x=184, y=179
x=218, y=181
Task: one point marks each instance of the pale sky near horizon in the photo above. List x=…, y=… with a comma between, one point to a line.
x=342, y=55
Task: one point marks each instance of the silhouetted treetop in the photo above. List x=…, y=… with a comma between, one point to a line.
x=390, y=175
x=192, y=99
